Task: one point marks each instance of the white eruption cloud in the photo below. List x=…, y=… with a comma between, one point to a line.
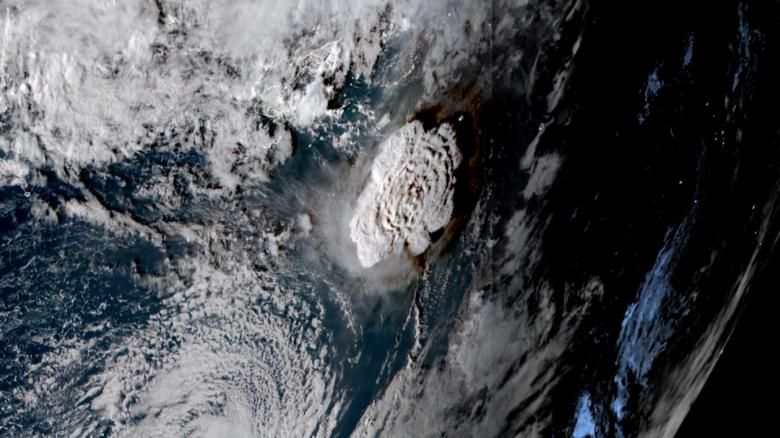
x=409, y=193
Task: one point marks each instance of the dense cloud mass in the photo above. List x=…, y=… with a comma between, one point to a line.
x=408, y=195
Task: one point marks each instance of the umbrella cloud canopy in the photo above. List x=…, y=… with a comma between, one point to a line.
x=409, y=193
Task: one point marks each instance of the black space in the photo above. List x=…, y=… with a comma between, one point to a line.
x=740, y=398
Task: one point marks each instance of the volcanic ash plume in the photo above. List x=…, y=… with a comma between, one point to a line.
x=409, y=193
